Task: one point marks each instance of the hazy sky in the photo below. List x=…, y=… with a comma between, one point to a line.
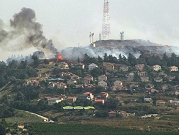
x=69, y=22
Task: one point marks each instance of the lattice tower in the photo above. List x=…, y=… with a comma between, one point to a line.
x=106, y=21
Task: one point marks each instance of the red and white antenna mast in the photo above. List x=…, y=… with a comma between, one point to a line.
x=106, y=21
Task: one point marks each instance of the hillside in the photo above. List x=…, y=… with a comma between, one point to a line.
x=116, y=47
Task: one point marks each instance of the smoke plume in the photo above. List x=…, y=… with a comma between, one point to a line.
x=24, y=33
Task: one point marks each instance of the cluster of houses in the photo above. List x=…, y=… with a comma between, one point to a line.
x=100, y=98
x=102, y=80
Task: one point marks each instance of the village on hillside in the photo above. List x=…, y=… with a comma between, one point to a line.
x=108, y=89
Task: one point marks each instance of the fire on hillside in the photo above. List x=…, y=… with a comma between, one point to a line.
x=59, y=57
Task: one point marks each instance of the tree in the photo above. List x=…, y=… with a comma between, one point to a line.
x=23, y=64
x=105, y=57
x=100, y=60
x=132, y=59
x=2, y=130
x=78, y=60
x=96, y=72
x=111, y=104
x=46, y=61
x=13, y=64
x=36, y=60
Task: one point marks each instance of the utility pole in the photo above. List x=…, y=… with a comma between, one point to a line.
x=92, y=36
x=106, y=21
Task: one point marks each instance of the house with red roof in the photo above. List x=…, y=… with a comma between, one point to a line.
x=112, y=114
x=160, y=103
x=99, y=101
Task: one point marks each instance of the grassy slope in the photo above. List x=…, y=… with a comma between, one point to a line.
x=22, y=117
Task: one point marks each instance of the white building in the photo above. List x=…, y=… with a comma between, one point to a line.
x=156, y=67
x=52, y=101
x=102, y=83
x=92, y=66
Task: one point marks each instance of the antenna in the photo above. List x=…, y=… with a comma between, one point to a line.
x=106, y=21
x=122, y=35
x=92, y=36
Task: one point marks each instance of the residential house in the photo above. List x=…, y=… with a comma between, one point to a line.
x=84, y=97
x=149, y=116
x=118, y=83
x=51, y=63
x=99, y=101
x=87, y=79
x=63, y=65
x=160, y=103
x=158, y=79
x=149, y=85
x=71, y=99
x=51, y=85
x=176, y=92
x=147, y=99
x=103, y=95
x=102, y=84
x=173, y=68
x=65, y=74
x=62, y=85
x=134, y=85
x=102, y=78
x=144, y=78
x=89, y=95
x=176, y=87
x=92, y=66
x=124, y=68
x=108, y=66
x=171, y=78
x=156, y=67
x=141, y=73
x=79, y=86
x=58, y=85
x=130, y=76
x=89, y=86
x=125, y=114
x=34, y=83
x=53, y=100
x=153, y=90
x=79, y=66
x=119, y=87
x=44, y=75
x=71, y=81
x=75, y=77
x=164, y=87
x=112, y=114
x=139, y=66
x=162, y=74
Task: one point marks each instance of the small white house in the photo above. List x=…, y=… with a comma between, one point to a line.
x=173, y=68
x=92, y=66
x=102, y=78
x=71, y=81
x=102, y=83
x=156, y=67
x=117, y=83
x=52, y=101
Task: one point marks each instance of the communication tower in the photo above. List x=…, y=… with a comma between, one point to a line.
x=106, y=21
x=122, y=35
